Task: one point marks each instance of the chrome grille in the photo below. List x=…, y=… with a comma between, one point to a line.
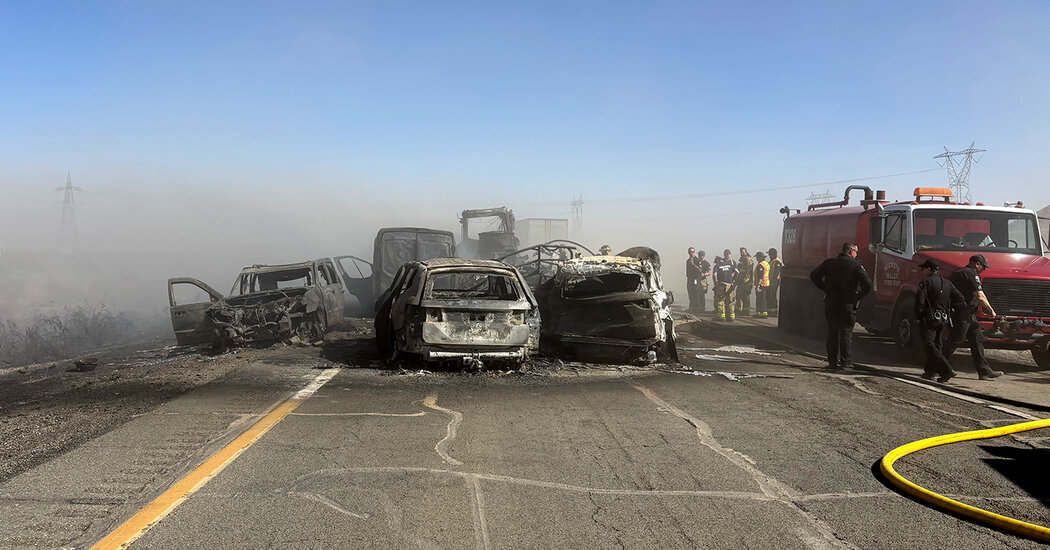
x=1018, y=297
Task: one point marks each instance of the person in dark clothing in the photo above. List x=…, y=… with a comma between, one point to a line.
x=692, y=281
x=844, y=282
x=705, y=272
x=933, y=305
x=964, y=317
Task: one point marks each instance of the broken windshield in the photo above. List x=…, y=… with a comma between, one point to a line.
x=605, y=283
x=250, y=282
x=980, y=231
x=471, y=285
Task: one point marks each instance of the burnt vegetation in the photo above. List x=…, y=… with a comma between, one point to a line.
x=74, y=330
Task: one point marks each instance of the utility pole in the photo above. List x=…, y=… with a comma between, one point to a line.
x=68, y=236
x=577, y=218
x=959, y=176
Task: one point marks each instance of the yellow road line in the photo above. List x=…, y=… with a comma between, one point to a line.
x=164, y=504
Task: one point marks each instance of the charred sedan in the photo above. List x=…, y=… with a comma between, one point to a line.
x=450, y=309
x=608, y=308
x=267, y=303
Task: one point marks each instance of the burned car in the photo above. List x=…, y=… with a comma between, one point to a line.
x=608, y=308
x=267, y=303
x=450, y=309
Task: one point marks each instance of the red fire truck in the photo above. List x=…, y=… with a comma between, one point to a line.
x=894, y=238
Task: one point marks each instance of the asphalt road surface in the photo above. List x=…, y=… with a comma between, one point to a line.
x=748, y=446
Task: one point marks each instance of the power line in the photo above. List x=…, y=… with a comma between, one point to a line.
x=738, y=191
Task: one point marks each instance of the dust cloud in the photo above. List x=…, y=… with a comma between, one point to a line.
x=133, y=239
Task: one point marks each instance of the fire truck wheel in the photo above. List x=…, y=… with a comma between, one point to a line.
x=906, y=334
x=1042, y=357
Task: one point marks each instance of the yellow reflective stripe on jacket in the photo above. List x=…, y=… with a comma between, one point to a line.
x=765, y=273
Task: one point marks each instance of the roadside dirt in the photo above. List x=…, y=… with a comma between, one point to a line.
x=48, y=409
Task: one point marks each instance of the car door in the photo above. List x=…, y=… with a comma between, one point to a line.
x=383, y=325
x=188, y=300
x=333, y=292
x=357, y=281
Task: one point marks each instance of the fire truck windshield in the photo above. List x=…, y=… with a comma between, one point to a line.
x=977, y=230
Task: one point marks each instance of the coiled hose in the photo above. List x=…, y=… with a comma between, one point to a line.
x=992, y=519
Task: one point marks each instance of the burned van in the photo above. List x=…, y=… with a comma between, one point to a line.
x=450, y=309
x=608, y=308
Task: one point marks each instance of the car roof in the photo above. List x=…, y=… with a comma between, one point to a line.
x=259, y=268
x=621, y=260
x=460, y=262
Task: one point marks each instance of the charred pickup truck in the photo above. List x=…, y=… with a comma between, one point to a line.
x=608, y=308
x=450, y=309
x=267, y=303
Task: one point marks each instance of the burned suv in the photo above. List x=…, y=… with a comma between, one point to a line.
x=608, y=308
x=450, y=309
x=267, y=303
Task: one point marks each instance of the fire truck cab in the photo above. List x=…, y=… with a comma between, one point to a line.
x=894, y=238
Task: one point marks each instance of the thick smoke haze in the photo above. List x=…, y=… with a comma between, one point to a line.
x=133, y=238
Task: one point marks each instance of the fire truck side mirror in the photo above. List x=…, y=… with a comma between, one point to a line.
x=875, y=230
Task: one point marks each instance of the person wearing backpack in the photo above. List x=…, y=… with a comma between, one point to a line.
x=934, y=301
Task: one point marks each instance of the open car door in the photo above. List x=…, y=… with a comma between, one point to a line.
x=357, y=279
x=189, y=300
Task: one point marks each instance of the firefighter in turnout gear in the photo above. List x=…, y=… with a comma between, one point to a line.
x=776, y=266
x=725, y=273
x=761, y=285
x=605, y=250
x=744, y=282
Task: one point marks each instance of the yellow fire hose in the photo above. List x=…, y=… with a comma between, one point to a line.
x=1012, y=525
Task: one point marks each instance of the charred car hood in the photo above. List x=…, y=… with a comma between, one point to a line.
x=264, y=316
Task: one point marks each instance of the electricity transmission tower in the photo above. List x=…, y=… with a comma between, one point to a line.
x=959, y=175
x=814, y=198
x=68, y=236
x=577, y=218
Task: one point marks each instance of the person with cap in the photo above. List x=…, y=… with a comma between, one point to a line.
x=692, y=281
x=605, y=250
x=844, y=282
x=964, y=317
x=776, y=266
x=933, y=305
x=725, y=276
x=761, y=284
x=744, y=282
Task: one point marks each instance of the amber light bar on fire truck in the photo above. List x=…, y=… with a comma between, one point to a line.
x=932, y=192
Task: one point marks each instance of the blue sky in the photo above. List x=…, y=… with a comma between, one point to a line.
x=415, y=110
